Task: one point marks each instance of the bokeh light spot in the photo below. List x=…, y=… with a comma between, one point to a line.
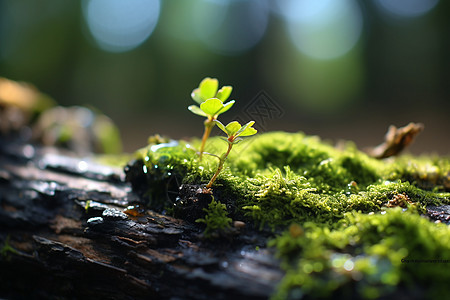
x=349, y=265
x=230, y=27
x=119, y=26
x=322, y=29
x=407, y=8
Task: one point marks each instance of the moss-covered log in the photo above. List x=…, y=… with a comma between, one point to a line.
x=288, y=217
x=345, y=224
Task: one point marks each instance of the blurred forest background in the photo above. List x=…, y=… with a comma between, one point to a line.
x=340, y=69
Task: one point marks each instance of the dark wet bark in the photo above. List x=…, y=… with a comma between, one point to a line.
x=52, y=247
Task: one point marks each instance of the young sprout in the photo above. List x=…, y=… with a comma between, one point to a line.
x=234, y=131
x=211, y=104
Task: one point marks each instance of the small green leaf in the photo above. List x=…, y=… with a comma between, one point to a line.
x=224, y=93
x=227, y=106
x=196, y=110
x=237, y=140
x=221, y=126
x=247, y=129
x=195, y=95
x=208, y=88
x=232, y=128
x=211, y=106
x=225, y=139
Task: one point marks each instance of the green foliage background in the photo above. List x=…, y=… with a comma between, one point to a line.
x=397, y=73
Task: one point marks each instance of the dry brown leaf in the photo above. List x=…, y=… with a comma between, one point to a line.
x=396, y=140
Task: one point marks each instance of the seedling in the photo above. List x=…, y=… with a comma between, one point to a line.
x=234, y=132
x=211, y=104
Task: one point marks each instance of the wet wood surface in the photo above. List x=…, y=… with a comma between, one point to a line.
x=64, y=234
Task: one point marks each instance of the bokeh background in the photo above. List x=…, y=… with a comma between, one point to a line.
x=340, y=69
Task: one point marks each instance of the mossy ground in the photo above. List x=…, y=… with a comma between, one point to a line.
x=327, y=207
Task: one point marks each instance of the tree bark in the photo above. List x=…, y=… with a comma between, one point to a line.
x=53, y=247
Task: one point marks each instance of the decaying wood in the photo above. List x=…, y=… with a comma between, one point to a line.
x=396, y=140
x=52, y=247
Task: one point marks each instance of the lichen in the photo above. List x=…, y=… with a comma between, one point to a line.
x=348, y=219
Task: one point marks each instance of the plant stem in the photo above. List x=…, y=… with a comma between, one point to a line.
x=220, y=166
x=209, y=124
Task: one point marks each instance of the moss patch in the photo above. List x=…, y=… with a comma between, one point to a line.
x=216, y=219
x=278, y=178
x=365, y=256
x=331, y=204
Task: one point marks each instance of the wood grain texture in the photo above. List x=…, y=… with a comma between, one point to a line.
x=52, y=247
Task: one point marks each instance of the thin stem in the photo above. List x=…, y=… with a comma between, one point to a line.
x=220, y=166
x=211, y=154
x=209, y=124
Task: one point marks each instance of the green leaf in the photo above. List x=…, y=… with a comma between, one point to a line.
x=211, y=106
x=247, y=129
x=221, y=126
x=195, y=95
x=224, y=93
x=196, y=110
x=235, y=129
x=208, y=88
x=227, y=106
x=232, y=128
x=237, y=140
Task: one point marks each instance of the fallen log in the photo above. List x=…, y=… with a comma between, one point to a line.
x=64, y=234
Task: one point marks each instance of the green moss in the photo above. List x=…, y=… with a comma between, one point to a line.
x=365, y=254
x=216, y=219
x=6, y=250
x=164, y=159
x=164, y=166
x=348, y=242
x=278, y=178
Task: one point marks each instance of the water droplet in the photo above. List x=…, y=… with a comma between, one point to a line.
x=325, y=161
x=95, y=221
x=172, y=143
x=134, y=210
x=28, y=151
x=82, y=166
x=349, y=265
